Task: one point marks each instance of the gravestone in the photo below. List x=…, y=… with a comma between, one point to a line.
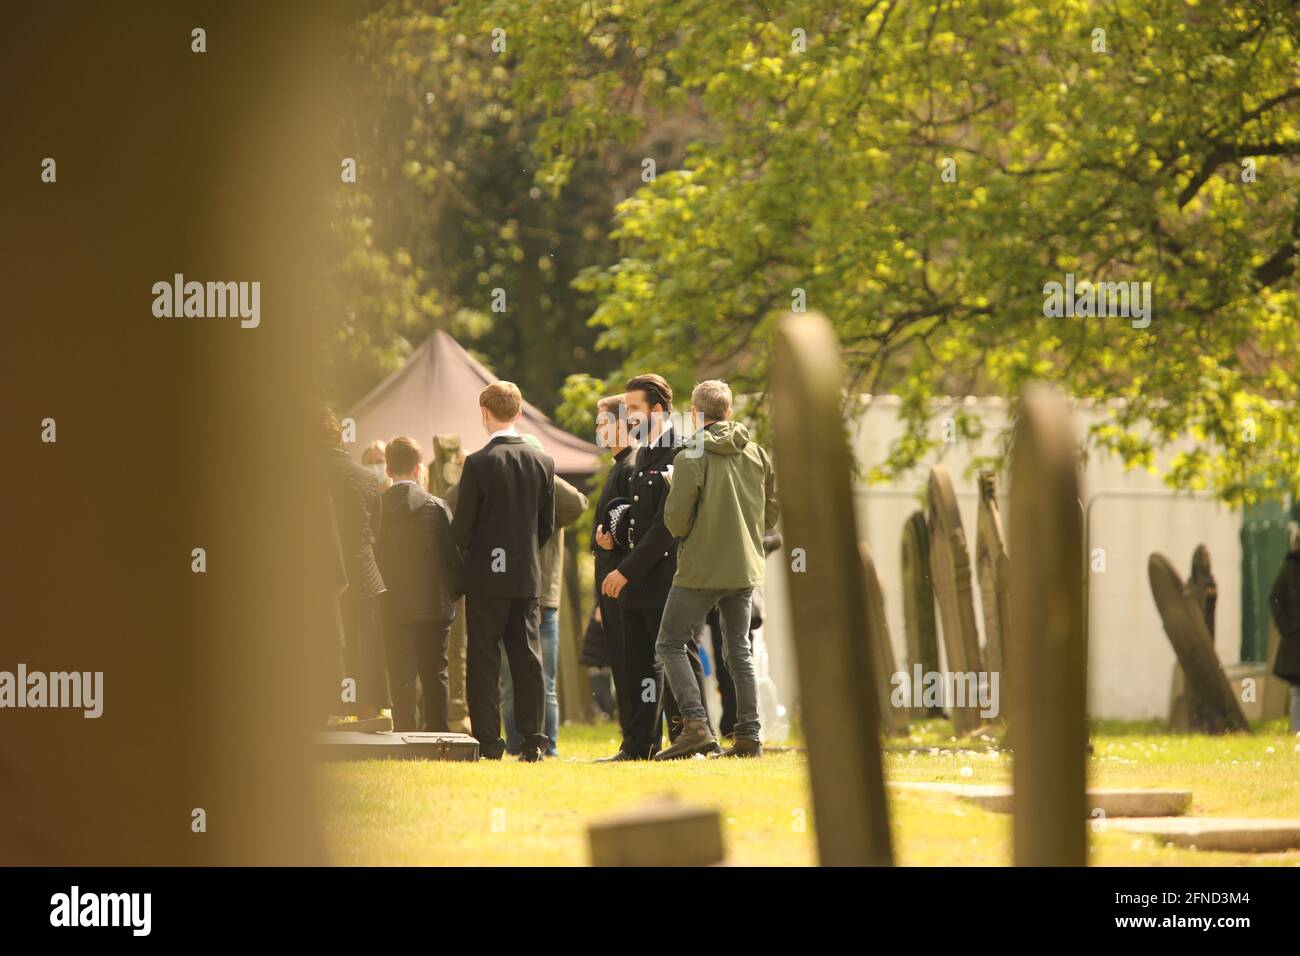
x=951, y=573
x=1212, y=705
x=1047, y=710
x=444, y=473
x=350, y=745
x=1205, y=594
x=894, y=719
x=660, y=832
x=828, y=610
x=992, y=569
x=918, y=604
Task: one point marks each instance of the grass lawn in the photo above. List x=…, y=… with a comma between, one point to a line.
x=493, y=814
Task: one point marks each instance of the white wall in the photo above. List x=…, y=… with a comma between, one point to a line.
x=1130, y=659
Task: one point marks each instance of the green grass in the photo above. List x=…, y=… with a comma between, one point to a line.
x=492, y=814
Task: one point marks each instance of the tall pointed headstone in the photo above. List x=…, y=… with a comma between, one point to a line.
x=1047, y=707
x=918, y=605
x=951, y=573
x=828, y=610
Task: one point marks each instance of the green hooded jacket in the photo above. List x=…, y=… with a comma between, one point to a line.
x=721, y=503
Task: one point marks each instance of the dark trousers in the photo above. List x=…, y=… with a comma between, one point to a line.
x=418, y=650
x=611, y=621
x=512, y=622
x=652, y=699
x=726, y=687
x=363, y=651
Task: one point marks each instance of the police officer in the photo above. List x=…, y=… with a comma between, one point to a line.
x=644, y=577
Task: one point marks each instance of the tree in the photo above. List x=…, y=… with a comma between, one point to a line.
x=921, y=173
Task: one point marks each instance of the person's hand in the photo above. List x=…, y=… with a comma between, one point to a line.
x=604, y=538
x=613, y=583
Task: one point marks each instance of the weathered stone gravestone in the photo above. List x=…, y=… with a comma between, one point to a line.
x=918, y=605
x=1205, y=594
x=950, y=571
x=992, y=569
x=661, y=832
x=893, y=718
x=1047, y=709
x=827, y=606
x=444, y=474
x=1212, y=705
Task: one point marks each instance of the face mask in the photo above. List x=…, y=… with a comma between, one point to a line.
x=379, y=470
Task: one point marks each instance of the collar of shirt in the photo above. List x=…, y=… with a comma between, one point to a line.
x=504, y=433
x=406, y=481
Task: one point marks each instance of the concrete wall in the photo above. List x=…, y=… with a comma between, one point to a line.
x=1132, y=514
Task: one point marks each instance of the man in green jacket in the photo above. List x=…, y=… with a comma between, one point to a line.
x=722, y=502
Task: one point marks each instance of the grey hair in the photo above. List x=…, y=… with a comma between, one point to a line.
x=713, y=399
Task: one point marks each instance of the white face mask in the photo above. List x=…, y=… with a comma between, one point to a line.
x=379, y=469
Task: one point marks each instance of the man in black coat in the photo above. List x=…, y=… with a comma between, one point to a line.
x=1284, y=600
x=505, y=512
x=355, y=494
x=611, y=426
x=421, y=567
x=644, y=576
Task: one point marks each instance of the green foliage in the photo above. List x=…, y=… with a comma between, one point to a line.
x=821, y=170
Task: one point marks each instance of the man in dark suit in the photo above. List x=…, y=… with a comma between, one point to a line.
x=644, y=577
x=421, y=568
x=505, y=512
x=611, y=432
x=355, y=494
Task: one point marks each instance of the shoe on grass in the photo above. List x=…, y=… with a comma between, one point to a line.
x=743, y=747
x=695, y=738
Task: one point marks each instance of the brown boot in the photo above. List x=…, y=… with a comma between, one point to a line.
x=695, y=738
x=743, y=747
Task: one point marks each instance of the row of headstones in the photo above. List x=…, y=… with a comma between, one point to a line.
x=840, y=643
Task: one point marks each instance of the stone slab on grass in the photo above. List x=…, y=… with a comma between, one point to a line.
x=1111, y=802
x=1232, y=834
x=350, y=745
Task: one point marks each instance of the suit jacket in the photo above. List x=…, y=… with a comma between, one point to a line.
x=650, y=565
x=355, y=493
x=570, y=503
x=505, y=512
x=1285, y=602
x=417, y=556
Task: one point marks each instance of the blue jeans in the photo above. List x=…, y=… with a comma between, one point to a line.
x=549, y=631
x=684, y=612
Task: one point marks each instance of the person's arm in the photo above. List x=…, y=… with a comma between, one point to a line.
x=772, y=513
x=449, y=558
x=546, y=511
x=570, y=503
x=683, y=495
x=467, y=502
x=652, y=544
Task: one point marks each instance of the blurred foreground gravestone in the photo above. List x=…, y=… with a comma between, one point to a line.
x=992, y=568
x=918, y=605
x=1212, y=705
x=828, y=609
x=1047, y=708
x=950, y=571
x=893, y=718
x=444, y=474
x=662, y=832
